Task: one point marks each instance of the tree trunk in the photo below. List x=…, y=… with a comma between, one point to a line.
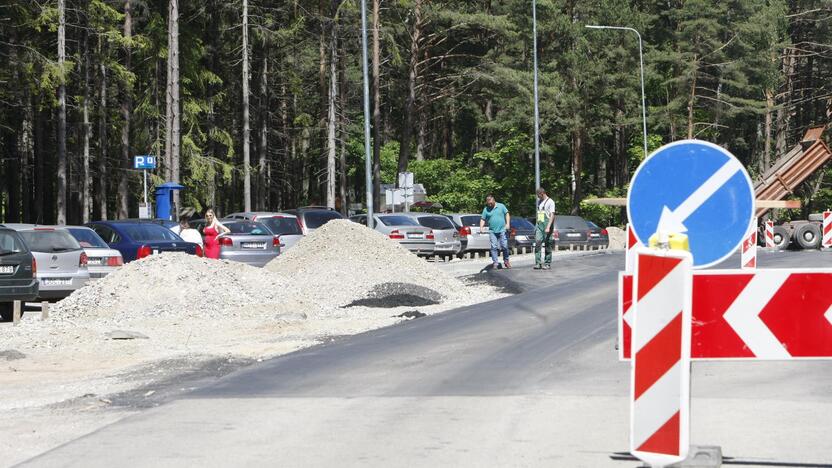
x=342, y=166
x=62, y=179
x=376, y=107
x=87, y=189
x=331, y=115
x=172, y=137
x=263, y=198
x=766, y=160
x=413, y=77
x=691, y=100
x=102, y=135
x=126, y=112
x=246, y=129
x=577, y=167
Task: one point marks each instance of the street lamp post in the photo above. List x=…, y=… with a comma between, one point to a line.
x=641, y=62
x=367, y=157
x=536, y=108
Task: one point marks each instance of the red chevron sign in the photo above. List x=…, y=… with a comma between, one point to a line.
x=766, y=314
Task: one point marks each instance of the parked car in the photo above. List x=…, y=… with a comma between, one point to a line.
x=313, y=217
x=571, y=231
x=62, y=263
x=18, y=272
x=445, y=232
x=403, y=229
x=249, y=242
x=476, y=241
x=598, y=236
x=521, y=234
x=285, y=225
x=101, y=259
x=139, y=239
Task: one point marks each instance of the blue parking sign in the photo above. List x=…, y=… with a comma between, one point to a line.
x=696, y=188
x=144, y=162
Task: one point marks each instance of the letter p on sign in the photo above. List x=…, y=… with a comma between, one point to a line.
x=660, y=380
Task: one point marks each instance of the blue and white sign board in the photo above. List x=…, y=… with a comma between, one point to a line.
x=144, y=162
x=696, y=188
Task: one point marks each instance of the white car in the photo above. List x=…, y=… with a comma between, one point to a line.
x=101, y=259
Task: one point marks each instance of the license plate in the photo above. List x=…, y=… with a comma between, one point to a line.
x=95, y=261
x=522, y=238
x=56, y=281
x=573, y=234
x=254, y=245
x=414, y=236
x=6, y=269
x=595, y=235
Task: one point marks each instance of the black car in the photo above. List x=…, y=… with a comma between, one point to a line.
x=571, y=231
x=598, y=236
x=313, y=217
x=17, y=272
x=521, y=234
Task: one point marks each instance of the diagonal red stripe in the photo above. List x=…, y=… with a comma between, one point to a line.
x=658, y=356
x=652, y=270
x=827, y=229
x=631, y=238
x=665, y=440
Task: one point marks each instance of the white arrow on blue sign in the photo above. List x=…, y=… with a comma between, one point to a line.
x=697, y=188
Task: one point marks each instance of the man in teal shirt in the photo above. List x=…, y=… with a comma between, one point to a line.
x=498, y=219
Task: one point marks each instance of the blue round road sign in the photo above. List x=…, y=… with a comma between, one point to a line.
x=697, y=188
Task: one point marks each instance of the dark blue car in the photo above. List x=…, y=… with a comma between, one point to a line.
x=137, y=239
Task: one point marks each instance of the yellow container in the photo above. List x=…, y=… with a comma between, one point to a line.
x=674, y=241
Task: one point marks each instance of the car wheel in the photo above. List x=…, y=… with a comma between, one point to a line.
x=781, y=238
x=808, y=236
x=6, y=311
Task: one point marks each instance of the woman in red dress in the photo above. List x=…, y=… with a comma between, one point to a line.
x=213, y=229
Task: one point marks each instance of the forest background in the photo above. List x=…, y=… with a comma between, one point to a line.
x=258, y=103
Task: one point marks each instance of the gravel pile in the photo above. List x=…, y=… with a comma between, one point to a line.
x=618, y=238
x=173, y=284
x=342, y=262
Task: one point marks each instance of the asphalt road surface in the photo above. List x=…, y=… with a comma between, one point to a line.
x=529, y=380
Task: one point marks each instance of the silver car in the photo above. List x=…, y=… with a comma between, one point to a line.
x=101, y=259
x=403, y=229
x=248, y=242
x=62, y=263
x=284, y=225
x=477, y=241
x=445, y=233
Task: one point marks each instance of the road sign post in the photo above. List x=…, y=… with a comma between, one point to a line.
x=660, y=378
x=770, y=234
x=145, y=162
x=632, y=246
x=748, y=256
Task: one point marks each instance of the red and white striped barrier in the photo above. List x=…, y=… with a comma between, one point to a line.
x=632, y=245
x=827, y=230
x=748, y=257
x=768, y=314
x=769, y=234
x=660, y=379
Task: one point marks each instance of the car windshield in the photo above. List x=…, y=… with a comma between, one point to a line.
x=88, y=238
x=10, y=243
x=520, y=223
x=471, y=220
x=571, y=222
x=436, y=222
x=249, y=228
x=316, y=219
x=398, y=221
x=149, y=232
x=50, y=240
x=282, y=226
